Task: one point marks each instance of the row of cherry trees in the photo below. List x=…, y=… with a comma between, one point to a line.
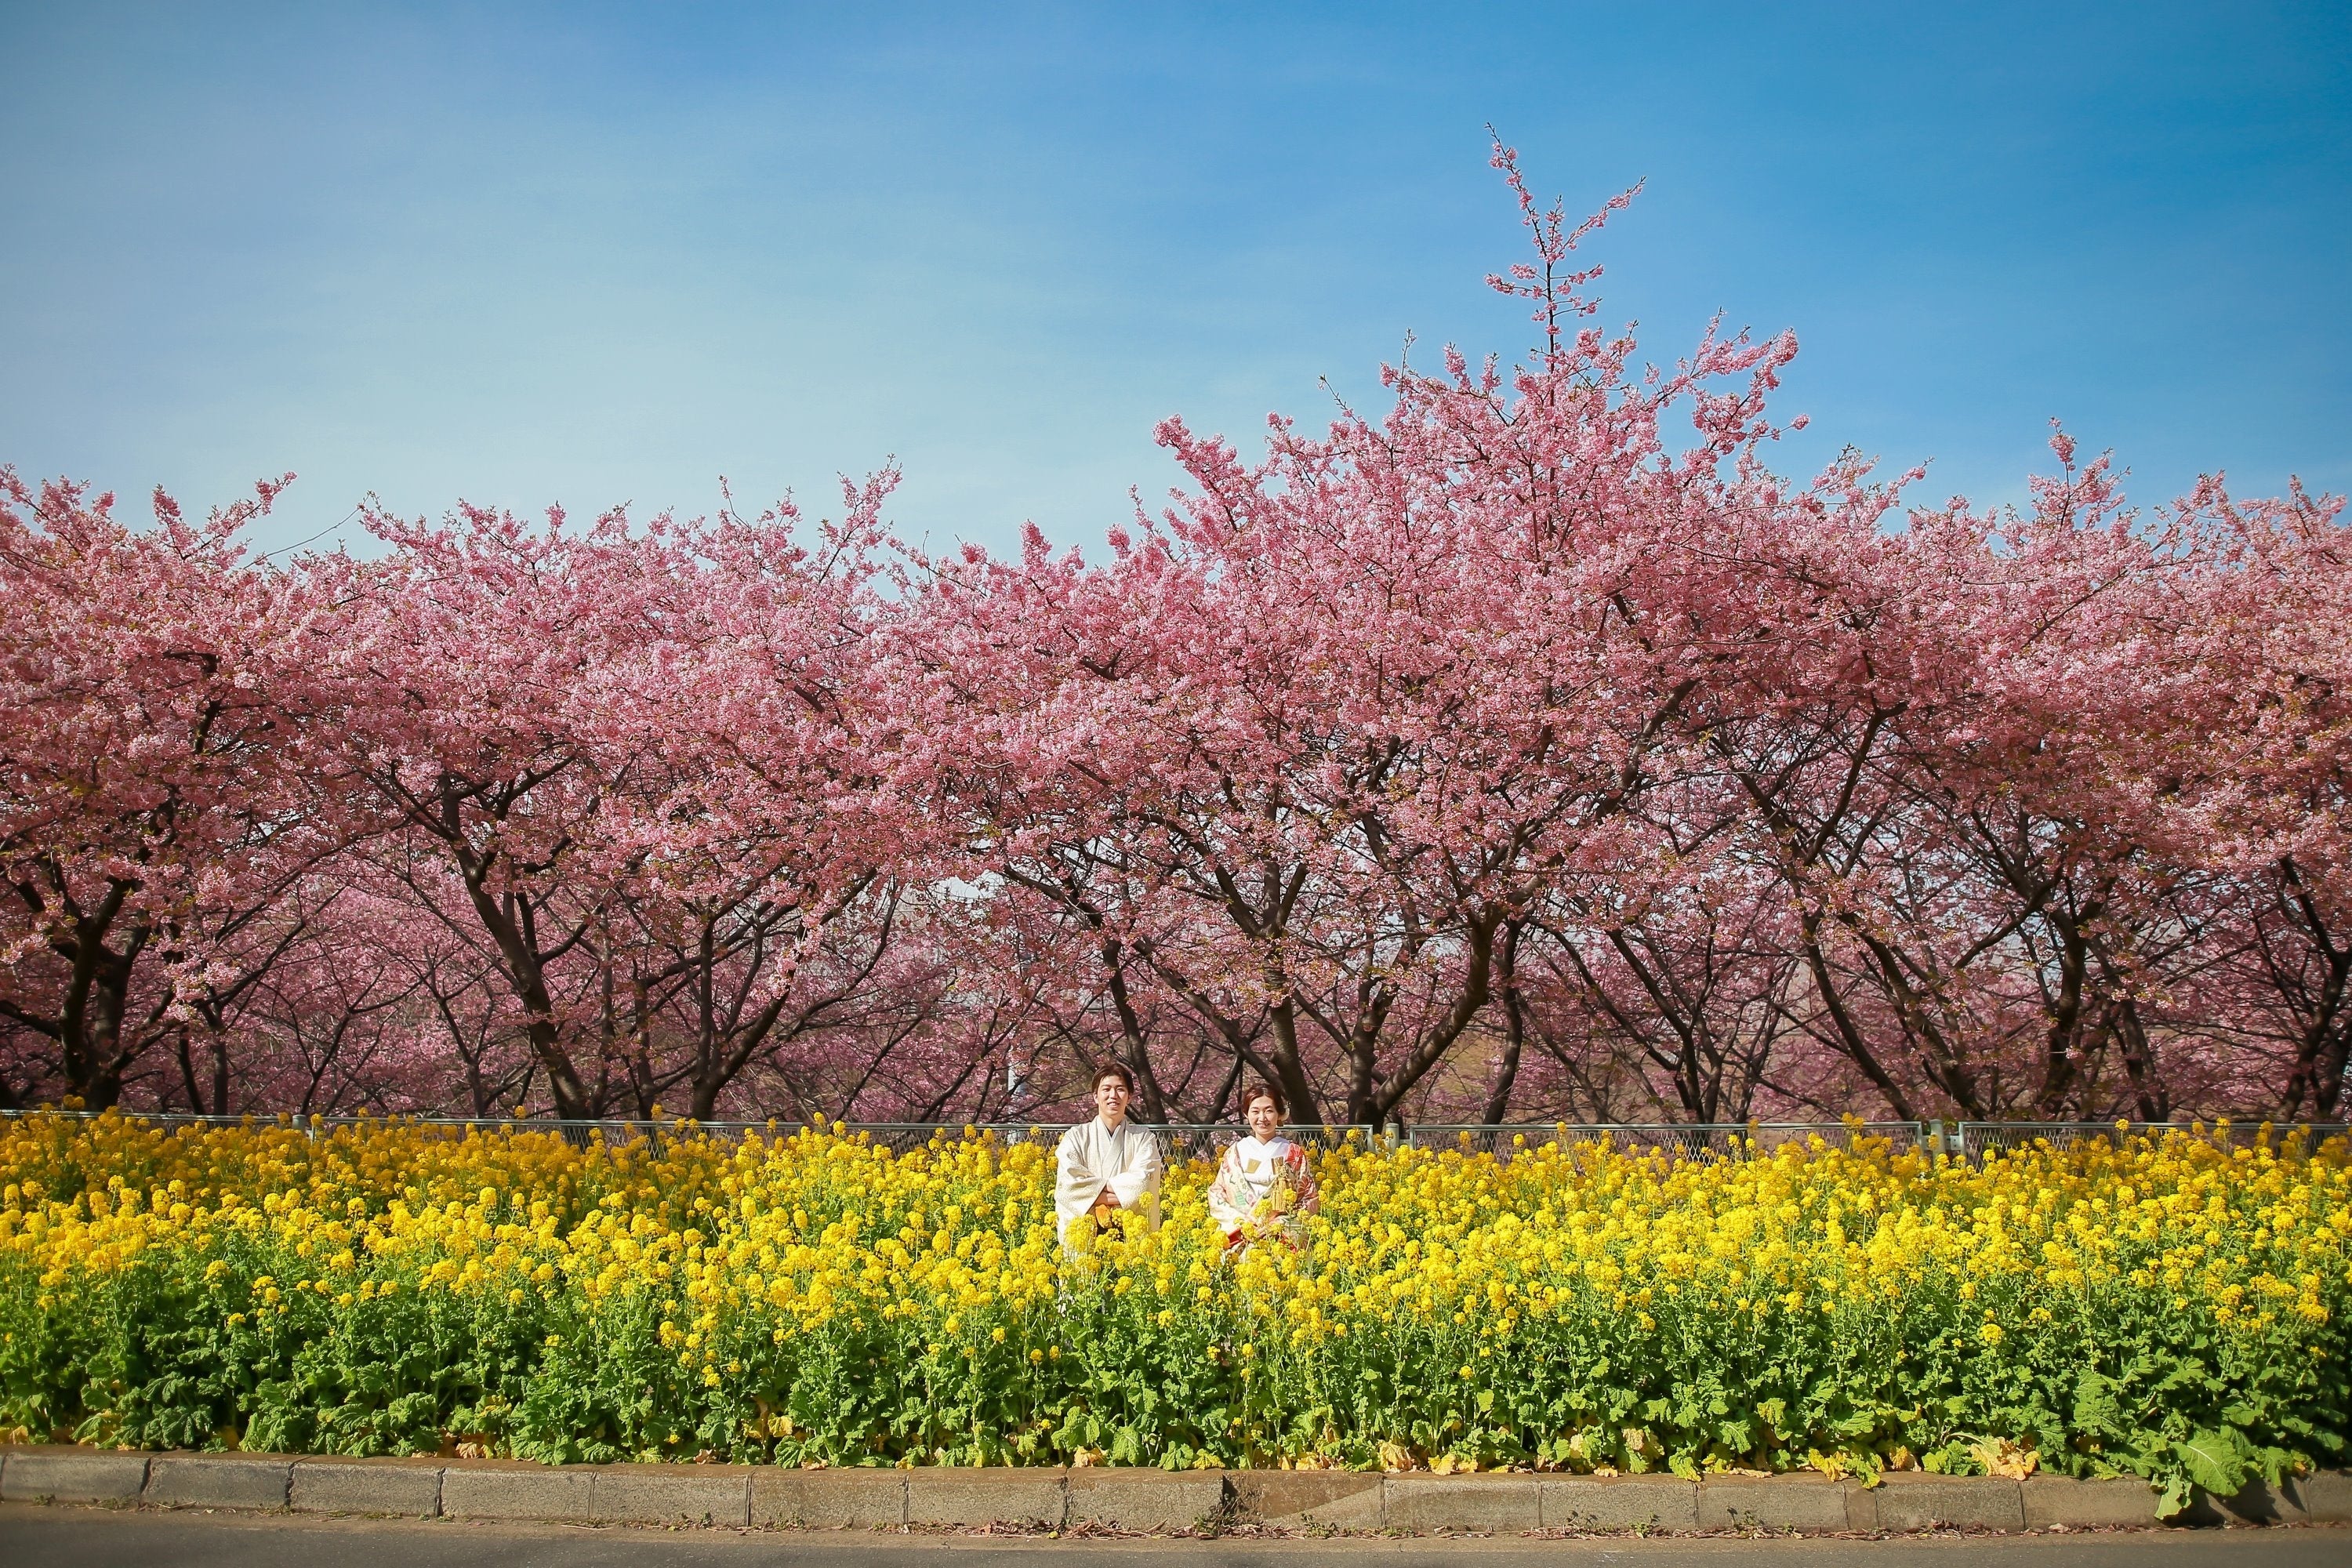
x=1530, y=751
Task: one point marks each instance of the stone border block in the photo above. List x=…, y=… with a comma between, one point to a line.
x=829, y=1500
x=2326, y=1497
x=1127, y=1499
x=72, y=1475
x=1145, y=1499
x=1911, y=1499
x=1304, y=1500
x=2125, y=1503
x=1009, y=1495
x=2259, y=1503
x=1772, y=1502
x=1499, y=1503
x=672, y=1494
x=217, y=1480
x=516, y=1491
x=1619, y=1502
x=404, y=1487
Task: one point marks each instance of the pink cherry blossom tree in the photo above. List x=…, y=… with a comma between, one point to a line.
x=1306, y=746
x=1527, y=748
x=651, y=765
x=156, y=803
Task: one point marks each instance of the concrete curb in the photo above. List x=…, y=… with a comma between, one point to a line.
x=1807, y=1504
x=1128, y=1500
x=1308, y=1500
x=2087, y=1505
x=1025, y=1496
x=514, y=1489
x=1909, y=1501
x=1499, y=1504
x=829, y=1500
x=219, y=1480
x=72, y=1475
x=672, y=1494
x=1140, y=1500
x=405, y=1486
x=1618, y=1502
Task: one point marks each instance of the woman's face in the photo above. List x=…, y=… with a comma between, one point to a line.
x=1264, y=1120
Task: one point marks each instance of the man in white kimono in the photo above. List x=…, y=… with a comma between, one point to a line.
x=1107, y=1164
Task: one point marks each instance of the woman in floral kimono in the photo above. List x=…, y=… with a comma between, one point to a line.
x=1265, y=1185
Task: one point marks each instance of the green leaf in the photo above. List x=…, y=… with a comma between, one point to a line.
x=2095, y=1405
x=2220, y=1461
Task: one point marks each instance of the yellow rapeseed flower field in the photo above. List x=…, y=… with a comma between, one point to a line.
x=2171, y=1306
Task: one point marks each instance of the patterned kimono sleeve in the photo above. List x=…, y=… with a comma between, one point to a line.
x=1229, y=1195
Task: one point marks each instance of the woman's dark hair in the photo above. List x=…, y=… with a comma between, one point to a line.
x=1112, y=1069
x=1264, y=1091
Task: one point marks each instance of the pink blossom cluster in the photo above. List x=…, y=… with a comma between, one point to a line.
x=1530, y=750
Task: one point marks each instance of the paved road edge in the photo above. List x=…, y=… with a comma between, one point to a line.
x=1120, y=1498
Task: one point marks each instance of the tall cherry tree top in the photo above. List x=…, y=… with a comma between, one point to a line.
x=155, y=794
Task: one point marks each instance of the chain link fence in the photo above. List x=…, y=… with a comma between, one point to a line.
x=1972, y=1141
x=1177, y=1141
x=1689, y=1140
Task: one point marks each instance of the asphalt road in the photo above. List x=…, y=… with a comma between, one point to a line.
x=36, y=1537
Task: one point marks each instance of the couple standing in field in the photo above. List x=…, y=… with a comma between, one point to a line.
x=1111, y=1166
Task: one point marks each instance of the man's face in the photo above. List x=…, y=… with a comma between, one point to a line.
x=1111, y=1098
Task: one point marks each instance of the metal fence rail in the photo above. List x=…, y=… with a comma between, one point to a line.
x=1177, y=1141
x=1686, y=1140
x=1972, y=1141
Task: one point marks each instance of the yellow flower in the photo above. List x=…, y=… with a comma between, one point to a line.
x=785, y=1250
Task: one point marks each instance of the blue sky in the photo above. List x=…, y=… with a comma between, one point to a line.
x=598, y=254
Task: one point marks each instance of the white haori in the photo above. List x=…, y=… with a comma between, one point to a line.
x=1092, y=1156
